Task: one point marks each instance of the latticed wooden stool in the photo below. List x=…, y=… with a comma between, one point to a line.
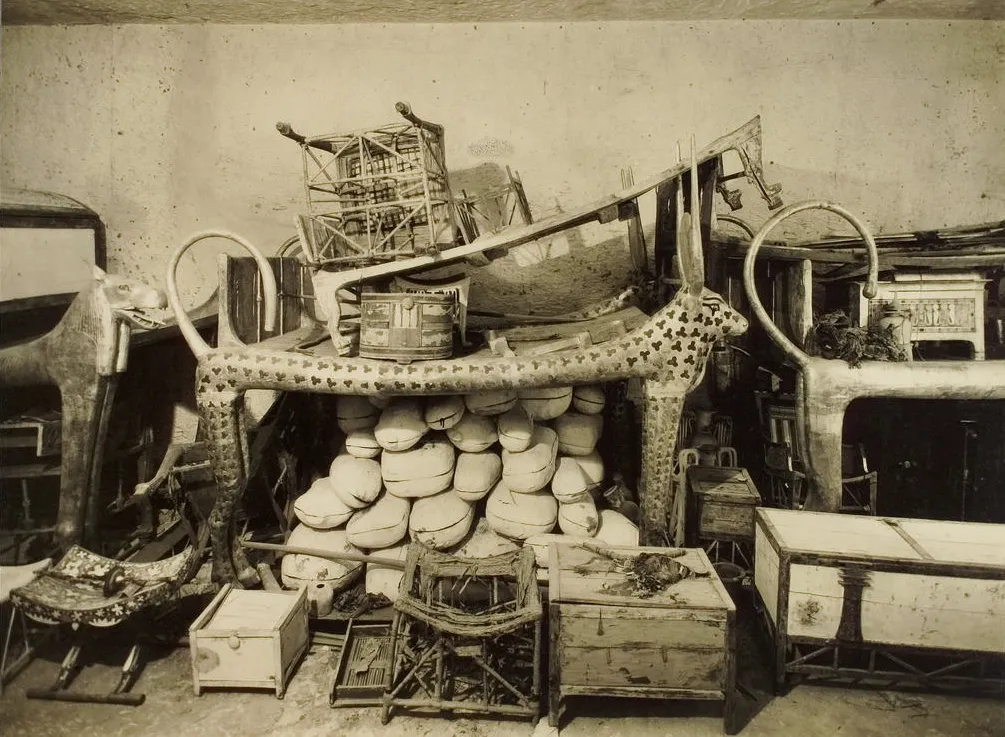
x=466, y=635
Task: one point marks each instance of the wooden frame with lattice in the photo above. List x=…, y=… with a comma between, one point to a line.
x=376, y=195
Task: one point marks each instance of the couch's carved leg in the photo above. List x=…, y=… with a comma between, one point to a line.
x=660, y=417
x=81, y=415
x=221, y=419
x=822, y=437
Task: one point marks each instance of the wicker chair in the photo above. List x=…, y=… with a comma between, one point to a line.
x=466, y=635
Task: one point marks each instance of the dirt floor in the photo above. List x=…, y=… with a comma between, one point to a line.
x=171, y=709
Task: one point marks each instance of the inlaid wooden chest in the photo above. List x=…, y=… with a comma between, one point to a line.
x=943, y=306
x=607, y=641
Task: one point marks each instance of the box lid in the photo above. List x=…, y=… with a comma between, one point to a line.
x=722, y=480
x=903, y=538
x=958, y=542
x=585, y=576
x=253, y=610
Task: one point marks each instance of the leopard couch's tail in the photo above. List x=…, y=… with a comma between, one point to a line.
x=791, y=349
x=198, y=346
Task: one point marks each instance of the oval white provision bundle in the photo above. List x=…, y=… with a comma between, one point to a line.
x=516, y=429
x=401, y=424
x=444, y=412
x=578, y=433
x=473, y=433
x=490, y=403
x=354, y=413
x=547, y=403
x=321, y=508
x=421, y=471
x=357, y=481
x=476, y=473
x=380, y=525
x=519, y=516
x=532, y=469
x=588, y=399
x=440, y=521
x=362, y=443
x=302, y=570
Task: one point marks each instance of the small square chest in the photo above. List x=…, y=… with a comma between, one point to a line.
x=721, y=503
x=605, y=640
x=249, y=639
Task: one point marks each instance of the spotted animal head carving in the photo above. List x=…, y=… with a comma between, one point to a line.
x=721, y=320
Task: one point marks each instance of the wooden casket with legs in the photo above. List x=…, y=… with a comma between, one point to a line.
x=907, y=601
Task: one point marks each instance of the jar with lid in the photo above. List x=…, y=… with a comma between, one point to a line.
x=897, y=321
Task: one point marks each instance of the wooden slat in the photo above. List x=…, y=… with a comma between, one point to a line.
x=959, y=542
x=766, y=574
x=30, y=470
x=908, y=539
x=632, y=627
x=652, y=667
x=599, y=328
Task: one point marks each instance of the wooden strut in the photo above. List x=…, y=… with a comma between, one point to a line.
x=326, y=554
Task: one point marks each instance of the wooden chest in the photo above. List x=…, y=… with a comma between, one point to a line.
x=249, y=639
x=843, y=593
x=721, y=504
x=607, y=641
x=943, y=306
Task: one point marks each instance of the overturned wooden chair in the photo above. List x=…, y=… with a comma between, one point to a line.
x=89, y=593
x=466, y=635
x=86, y=591
x=21, y=639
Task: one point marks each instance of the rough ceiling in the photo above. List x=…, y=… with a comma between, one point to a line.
x=56, y=12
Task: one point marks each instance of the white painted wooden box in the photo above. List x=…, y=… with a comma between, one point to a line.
x=833, y=583
x=943, y=306
x=249, y=639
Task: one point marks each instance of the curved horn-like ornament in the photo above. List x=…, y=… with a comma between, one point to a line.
x=196, y=344
x=870, y=289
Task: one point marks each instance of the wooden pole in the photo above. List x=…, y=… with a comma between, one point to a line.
x=327, y=554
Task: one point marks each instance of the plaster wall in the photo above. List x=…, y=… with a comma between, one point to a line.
x=165, y=130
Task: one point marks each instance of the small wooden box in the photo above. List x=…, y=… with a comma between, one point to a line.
x=249, y=639
x=407, y=326
x=721, y=504
x=929, y=593
x=606, y=641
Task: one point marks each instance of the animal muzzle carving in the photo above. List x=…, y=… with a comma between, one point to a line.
x=720, y=315
x=135, y=302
